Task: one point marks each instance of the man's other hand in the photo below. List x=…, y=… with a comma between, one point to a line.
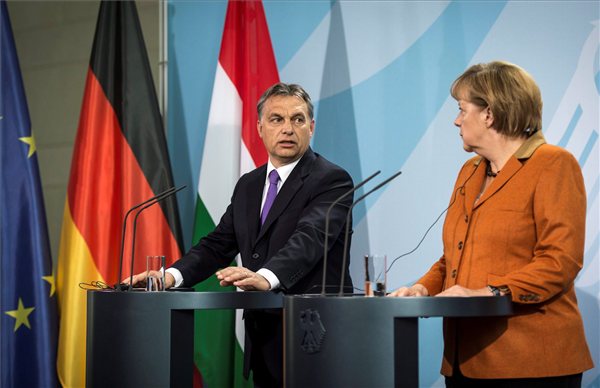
x=243, y=278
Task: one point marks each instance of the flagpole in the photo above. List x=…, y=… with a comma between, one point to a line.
x=163, y=60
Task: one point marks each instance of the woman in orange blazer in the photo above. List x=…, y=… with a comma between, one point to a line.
x=515, y=225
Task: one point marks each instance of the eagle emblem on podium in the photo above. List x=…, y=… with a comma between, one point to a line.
x=313, y=331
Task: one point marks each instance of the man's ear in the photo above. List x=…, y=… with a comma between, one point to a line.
x=259, y=128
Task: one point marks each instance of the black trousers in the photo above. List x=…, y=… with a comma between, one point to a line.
x=458, y=380
x=264, y=340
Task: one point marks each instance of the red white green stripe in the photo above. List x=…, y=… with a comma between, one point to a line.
x=246, y=68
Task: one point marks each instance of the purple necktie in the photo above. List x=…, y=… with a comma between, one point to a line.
x=271, y=194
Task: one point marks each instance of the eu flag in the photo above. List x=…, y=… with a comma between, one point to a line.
x=28, y=320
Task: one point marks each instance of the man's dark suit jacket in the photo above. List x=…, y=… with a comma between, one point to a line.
x=290, y=243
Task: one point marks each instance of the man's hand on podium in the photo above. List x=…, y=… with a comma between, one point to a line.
x=140, y=279
x=243, y=278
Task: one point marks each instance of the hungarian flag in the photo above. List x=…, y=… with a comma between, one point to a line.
x=119, y=160
x=232, y=147
x=28, y=321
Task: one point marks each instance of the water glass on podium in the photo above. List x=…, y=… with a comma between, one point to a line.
x=375, y=275
x=155, y=273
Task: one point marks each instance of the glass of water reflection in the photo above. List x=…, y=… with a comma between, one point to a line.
x=155, y=273
x=375, y=275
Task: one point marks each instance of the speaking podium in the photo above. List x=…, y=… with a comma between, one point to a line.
x=353, y=341
x=146, y=339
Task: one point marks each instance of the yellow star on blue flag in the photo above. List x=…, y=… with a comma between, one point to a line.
x=31, y=141
x=50, y=280
x=21, y=315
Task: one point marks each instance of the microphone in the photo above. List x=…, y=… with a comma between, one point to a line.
x=147, y=203
x=327, y=217
x=347, y=232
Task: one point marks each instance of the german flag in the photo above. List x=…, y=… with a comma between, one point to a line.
x=120, y=159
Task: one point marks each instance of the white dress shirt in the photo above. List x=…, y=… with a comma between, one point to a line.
x=284, y=172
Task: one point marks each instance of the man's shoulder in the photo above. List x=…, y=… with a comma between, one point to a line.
x=321, y=166
x=258, y=172
x=315, y=161
x=252, y=179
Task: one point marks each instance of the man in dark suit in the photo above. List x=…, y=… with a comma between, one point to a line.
x=276, y=222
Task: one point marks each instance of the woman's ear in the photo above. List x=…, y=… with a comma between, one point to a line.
x=489, y=117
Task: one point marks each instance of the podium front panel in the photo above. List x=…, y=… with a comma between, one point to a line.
x=355, y=341
x=145, y=339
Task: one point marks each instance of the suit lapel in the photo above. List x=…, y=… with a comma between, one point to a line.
x=473, y=189
x=289, y=189
x=256, y=187
x=510, y=168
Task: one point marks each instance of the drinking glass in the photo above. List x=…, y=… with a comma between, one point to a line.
x=154, y=265
x=375, y=275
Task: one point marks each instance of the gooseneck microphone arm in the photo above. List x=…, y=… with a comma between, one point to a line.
x=167, y=191
x=347, y=232
x=149, y=203
x=327, y=217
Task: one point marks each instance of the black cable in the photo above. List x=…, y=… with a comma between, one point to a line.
x=95, y=285
x=461, y=187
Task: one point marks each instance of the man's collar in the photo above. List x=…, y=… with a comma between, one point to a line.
x=283, y=171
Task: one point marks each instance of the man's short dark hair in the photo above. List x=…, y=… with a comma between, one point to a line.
x=283, y=89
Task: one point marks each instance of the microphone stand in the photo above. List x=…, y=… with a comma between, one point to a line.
x=146, y=204
x=347, y=232
x=327, y=217
x=119, y=285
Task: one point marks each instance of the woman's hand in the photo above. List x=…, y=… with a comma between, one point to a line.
x=414, y=290
x=457, y=290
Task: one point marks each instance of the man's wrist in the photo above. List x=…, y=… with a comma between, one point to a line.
x=270, y=277
x=177, y=277
x=169, y=280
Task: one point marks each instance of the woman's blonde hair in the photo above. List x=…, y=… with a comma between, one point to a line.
x=509, y=91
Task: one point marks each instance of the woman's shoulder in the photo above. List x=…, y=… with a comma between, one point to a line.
x=471, y=164
x=550, y=153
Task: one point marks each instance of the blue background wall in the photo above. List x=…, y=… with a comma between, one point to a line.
x=379, y=74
